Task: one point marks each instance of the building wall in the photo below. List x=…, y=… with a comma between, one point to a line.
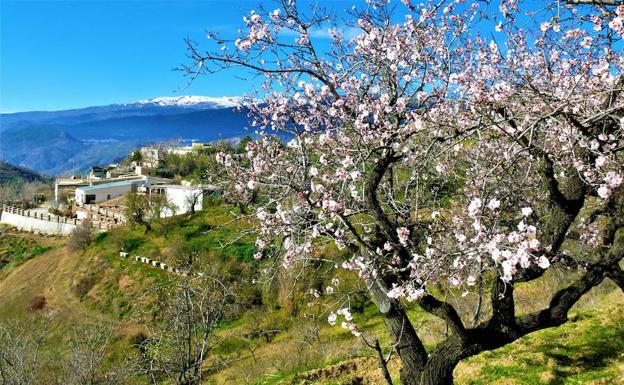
x=152, y=156
x=36, y=225
x=180, y=198
x=103, y=193
x=144, y=171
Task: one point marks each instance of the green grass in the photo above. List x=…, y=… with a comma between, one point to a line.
x=588, y=349
x=14, y=251
x=210, y=234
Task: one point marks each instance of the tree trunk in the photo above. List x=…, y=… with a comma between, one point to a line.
x=442, y=362
x=408, y=345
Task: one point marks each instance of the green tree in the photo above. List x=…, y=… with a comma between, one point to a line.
x=138, y=209
x=136, y=156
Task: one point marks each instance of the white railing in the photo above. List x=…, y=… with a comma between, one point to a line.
x=100, y=224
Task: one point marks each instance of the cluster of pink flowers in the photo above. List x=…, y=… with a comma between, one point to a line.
x=347, y=323
x=457, y=122
x=617, y=23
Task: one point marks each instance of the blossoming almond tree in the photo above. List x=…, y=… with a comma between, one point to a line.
x=442, y=143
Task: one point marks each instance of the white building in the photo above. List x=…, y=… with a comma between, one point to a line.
x=154, y=156
x=183, y=199
x=103, y=192
x=183, y=150
x=96, y=193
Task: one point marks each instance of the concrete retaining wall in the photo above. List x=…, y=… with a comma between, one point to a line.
x=44, y=223
x=36, y=225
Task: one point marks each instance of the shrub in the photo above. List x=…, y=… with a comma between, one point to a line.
x=81, y=237
x=84, y=285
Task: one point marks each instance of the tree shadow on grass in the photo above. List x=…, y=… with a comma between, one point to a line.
x=590, y=348
x=580, y=351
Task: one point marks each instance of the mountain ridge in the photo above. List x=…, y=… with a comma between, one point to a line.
x=183, y=100
x=57, y=142
x=9, y=173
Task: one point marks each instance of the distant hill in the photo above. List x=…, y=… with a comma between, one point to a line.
x=10, y=173
x=60, y=142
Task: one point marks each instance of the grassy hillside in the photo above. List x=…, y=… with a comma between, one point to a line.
x=277, y=338
x=587, y=350
x=15, y=250
x=82, y=289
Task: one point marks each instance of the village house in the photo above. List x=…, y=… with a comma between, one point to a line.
x=97, y=172
x=65, y=188
x=115, y=188
x=183, y=150
x=183, y=199
x=154, y=156
x=106, y=191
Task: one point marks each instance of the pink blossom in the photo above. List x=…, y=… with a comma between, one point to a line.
x=543, y=262
x=252, y=184
x=474, y=207
x=601, y=161
x=345, y=313
x=545, y=26
x=613, y=179
x=604, y=192
x=494, y=204
x=396, y=292
x=403, y=234
x=617, y=24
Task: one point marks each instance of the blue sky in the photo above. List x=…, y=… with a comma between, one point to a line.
x=58, y=55
x=68, y=54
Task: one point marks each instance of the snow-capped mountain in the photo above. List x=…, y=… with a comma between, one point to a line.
x=190, y=100
x=50, y=141
x=164, y=105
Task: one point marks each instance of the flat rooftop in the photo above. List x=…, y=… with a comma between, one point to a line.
x=78, y=182
x=181, y=187
x=109, y=185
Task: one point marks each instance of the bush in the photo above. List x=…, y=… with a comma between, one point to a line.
x=84, y=285
x=61, y=213
x=81, y=237
x=124, y=239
